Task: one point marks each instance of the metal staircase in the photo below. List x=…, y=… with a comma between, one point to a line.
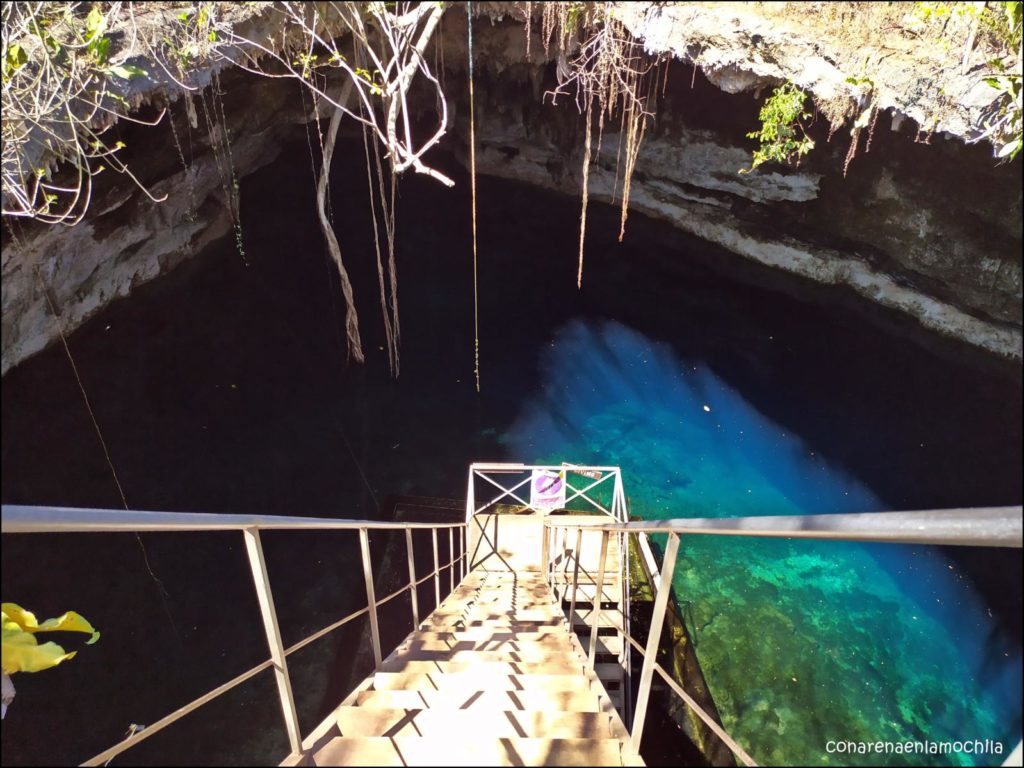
x=528, y=660
x=492, y=677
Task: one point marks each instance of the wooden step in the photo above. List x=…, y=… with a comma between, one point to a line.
x=456, y=641
x=501, y=624
x=611, y=618
x=497, y=616
x=502, y=603
x=606, y=644
x=415, y=750
x=493, y=701
x=478, y=681
x=609, y=672
x=534, y=656
x=481, y=723
x=585, y=594
x=528, y=652
x=532, y=633
x=568, y=664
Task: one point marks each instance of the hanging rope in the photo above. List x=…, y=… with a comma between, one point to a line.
x=472, y=185
x=106, y=452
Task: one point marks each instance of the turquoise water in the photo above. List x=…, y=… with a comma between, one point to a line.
x=801, y=642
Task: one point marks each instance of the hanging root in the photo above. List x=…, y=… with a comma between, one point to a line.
x=607, y=72
x=472, y=187
x=586, y=185
x=388, y=331
x=355, y=345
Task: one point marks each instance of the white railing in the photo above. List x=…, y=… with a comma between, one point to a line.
x=488, y=471
x=24, y=519
x=983, y=527
x=510, y=479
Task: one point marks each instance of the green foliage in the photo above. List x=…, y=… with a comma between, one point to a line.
x=195, y=35
x=782, y=136
x=97, y=44
x=1003, y=126
x=371, y=80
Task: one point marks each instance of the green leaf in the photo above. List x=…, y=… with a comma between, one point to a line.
x=95, y=24
x=15, y=59
x=126, y=71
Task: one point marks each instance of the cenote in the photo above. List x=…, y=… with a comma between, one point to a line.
x=721, y=386
x=719, y=390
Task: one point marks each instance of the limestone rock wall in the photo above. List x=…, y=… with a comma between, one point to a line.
x=932, y=231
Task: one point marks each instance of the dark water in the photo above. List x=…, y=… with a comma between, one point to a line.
x=224, y=388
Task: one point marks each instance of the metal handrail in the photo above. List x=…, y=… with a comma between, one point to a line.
x=35, y=519
x=988, y=526
x=980, y=527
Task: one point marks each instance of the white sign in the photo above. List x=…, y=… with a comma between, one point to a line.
x=547, y=489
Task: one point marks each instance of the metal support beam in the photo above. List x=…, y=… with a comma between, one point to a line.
x=595, y=613
x=258, y=564
x=545, y=550
x=437, y=572
x=575, y=576
x=412, y=581
x=451, y=560
x=470, y=496
x=653, y=640
x=371, y=600
x=462, y=554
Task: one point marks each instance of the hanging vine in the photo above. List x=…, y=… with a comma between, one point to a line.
x=606, y=74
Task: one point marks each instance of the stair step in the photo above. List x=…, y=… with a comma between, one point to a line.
x=606, y=644
x=493, y=701
x=557, y=666
x=415, y=750
x=610, y=618
x=479, y=681
x=530, y=634
x=548, y=605
x=497, y=617
x=533, y=656
x=500, y=624
x=609, y=672
x=556, y=637
x=585, y=594
x=481, y=723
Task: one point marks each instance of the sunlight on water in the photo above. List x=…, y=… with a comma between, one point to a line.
x=801, y=642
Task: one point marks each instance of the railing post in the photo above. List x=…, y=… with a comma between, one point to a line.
x=437, y=572
x=462, y=554
x=371, y=599
x=575, y=576
x=451, y=560
x=545, y=548
x=553, y=569
x=470, y=495
x=627, y=649
x=595, y=613
x=266, y=601
x=653, y=641
x=412, y=580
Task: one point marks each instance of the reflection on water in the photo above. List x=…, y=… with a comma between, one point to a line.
x=801, y=642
